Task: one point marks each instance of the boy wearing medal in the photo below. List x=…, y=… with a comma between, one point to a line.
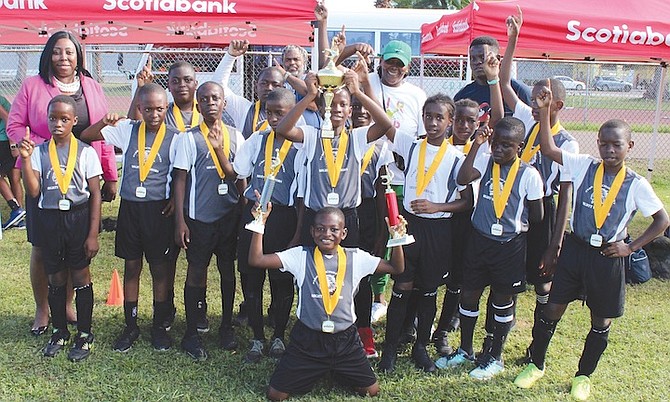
x=332, y=170
x=65, y=174
x=206, y=193
x=324, y=339
x=431, y=195
x=145, y=224
x=594, y=256
x=510, y=196
x=262, y=157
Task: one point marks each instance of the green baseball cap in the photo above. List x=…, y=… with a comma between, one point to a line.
x=396, y=49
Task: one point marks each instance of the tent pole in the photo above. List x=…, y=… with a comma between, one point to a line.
x=657, y=118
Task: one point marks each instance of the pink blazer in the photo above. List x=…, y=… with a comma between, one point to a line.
x=29, y=108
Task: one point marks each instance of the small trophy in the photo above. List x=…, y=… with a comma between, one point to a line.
x=397, y=239
x=266, y=195
x=330, y=80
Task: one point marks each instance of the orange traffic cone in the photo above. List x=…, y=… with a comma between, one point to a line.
x=115, y=297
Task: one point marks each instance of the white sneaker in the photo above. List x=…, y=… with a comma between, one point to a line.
x=378, y=311
x=488, y=368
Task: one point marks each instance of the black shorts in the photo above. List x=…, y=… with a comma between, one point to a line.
x=218, y=238
x=32, y=221
x=367, y=220
x=428, y=259
x=539, y=237
x=583, y=273
x=498, y=264
x=461, y=227
x=142, y=230
x=350, y=222
x=279, y=230
x=312, y=354
x=63, y=248
x=7, y=161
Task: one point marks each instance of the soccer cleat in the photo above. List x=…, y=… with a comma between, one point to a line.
x=160, y=339
x=126, y=340
x=529, y=376
x=581, y=388
x=387, y=362
x=421, y=358
x=193, y=347
x=14, y=217
x=378, y=311
x=442, y=343
x=255, y=353
x=458, y=358
x=83, y=343
x=277, y=349
x=365, y=333
x=488, y=368
x=227, y=338
x=58, y=340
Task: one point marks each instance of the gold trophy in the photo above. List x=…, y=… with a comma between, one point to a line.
x=330, y=80
x=266, y=195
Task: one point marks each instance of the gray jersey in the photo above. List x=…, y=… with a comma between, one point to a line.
x=380, y=157
x=527, y=186
x=171, y=120
x=86, y=167
x=249, y=120
x=299, y=261
x=202, y=201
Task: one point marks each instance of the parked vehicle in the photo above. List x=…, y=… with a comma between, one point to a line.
x=612, y=84
x=570, y=83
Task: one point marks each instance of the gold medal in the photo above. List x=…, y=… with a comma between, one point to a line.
x=63, y=178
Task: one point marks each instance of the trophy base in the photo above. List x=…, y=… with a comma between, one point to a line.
x=400, y=241
x=255, y=227
x=325, y=133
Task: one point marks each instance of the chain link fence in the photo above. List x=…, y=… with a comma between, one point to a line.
x=596, y=92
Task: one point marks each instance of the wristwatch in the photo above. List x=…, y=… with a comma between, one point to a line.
x=14, y=146
x=286, y=75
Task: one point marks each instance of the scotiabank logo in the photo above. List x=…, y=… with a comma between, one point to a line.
x=180, y=6
x=23, y=4
x=616, y=34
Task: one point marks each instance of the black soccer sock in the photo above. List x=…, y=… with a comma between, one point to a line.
x=396, y=316
x=426, y=310
x=410, y=315
x=283, y=302
x=162, y=310
x=130, y=313
x=254, y=302
x=194, y=304
x=84, y=302
x=227, y=272
x=363, y=303
x=57, y=306
x=543, y=331
x=541, y=301
x=595, y=345
x=449, y=307
x=503, y=317
x=13, y=204
x=468, y=318
x=489, y=323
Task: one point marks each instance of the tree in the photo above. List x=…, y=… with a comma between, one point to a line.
x=439, y=4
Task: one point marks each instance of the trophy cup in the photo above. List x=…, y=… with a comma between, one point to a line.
x=330, y=80
x=397, y=239
x=268, y=186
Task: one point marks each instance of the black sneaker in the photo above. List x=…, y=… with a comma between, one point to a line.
x=408, y=336
x=421, y=358
x=227, y=338
x=58, y=340
x=193, y=347
x=387, y=362
x=277, y=349
x=160, y=339
x=442, y=343
x=83, y=343
x=203, y=325
x=126, y=340
x=255, y=353
x=169, y=320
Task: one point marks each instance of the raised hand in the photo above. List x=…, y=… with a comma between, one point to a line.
x=238, y=47
x=214, y=136
x=145, y=76
x=544, y=96
x=27, y=145
x=398, y=230
x=491, y=66
x=351, y=81
x=340, y=40
x=312, y=83
x=484, y=132
x=514, y=23
x=361, y=67
x=320, y=12
x=111, y=119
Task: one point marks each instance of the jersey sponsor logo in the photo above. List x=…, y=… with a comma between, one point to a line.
x=180, y=6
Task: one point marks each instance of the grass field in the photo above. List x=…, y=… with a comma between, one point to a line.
x=632, y=368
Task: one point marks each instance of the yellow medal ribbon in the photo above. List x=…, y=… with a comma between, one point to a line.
x=602, y=208
x=330, y=300
x=283, y=151
x=254, y=122
x=500, y=200
x=63, y=179
x=530, y=149
x=335, y=166
x=226, y=146
x=423, y=177
x=195, y=116
x=146, y=164
x=466, y=147
x=367, y=158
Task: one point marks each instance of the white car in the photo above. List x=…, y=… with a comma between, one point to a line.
x=569, y=83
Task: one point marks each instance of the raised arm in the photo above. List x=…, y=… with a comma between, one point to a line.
x=382, y=123
x=143, y=77
x=94, y=131
x=236, y=48
x=256, y=257
x=513, y=23
x=547, y=145
x=287, y=127
x=492, y=71
x=321, y=15
x=396, y=265
x=31, y=178
x=467, y=174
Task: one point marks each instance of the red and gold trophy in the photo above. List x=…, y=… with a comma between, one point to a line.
x=400, y=238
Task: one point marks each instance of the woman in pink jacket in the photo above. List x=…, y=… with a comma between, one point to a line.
x=61, y=72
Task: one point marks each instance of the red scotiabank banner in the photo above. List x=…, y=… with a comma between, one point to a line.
x=276, y=22
x=614, y=30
